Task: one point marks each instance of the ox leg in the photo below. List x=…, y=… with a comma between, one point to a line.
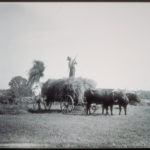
x=39, y=104
x=87, y=108
x=102, y=109
x=111, y=109
x=50, y=105
x=120, y=109
x=125, y=109
x=107, y=110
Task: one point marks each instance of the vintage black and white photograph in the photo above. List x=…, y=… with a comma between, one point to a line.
x=74, y=75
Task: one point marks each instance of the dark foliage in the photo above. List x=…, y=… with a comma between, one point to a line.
x=7, y=96
x=19, y=86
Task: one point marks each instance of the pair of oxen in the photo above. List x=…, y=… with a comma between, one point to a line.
x=108, y=98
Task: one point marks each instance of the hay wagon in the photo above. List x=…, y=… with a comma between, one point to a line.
x=67, y=104
x=68, y=92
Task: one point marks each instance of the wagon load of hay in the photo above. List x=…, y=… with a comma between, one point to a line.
x=58, y=89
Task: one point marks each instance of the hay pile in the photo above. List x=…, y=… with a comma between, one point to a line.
x=36, y=72
x=56, y=90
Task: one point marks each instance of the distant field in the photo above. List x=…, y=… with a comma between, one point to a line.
x=57, y=130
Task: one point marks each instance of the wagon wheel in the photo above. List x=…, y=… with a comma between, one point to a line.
x=68, y=104
x=71, y=103
x=93, y=109
x=64, y=107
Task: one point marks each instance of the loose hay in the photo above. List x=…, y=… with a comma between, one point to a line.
x=58, y=89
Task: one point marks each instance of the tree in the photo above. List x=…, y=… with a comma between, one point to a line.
x=19, y=86
x=7, y=96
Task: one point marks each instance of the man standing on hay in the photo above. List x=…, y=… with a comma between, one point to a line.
x=71, y=65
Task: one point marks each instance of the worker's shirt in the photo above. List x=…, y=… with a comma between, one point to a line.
x=36, y=90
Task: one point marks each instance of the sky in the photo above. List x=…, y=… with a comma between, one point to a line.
x=111, y=41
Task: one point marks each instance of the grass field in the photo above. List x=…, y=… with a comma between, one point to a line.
x=57, y=130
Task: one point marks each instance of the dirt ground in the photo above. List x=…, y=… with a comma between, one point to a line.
x=56, y=130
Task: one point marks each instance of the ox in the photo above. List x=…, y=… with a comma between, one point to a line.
x=106, y=97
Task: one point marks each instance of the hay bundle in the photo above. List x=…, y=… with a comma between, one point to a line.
x=36, y=72
x=57, y=90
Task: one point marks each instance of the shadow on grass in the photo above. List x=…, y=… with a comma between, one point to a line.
x=83, y=113
x=77, y=113
x=44, y=111
x=92, y=115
